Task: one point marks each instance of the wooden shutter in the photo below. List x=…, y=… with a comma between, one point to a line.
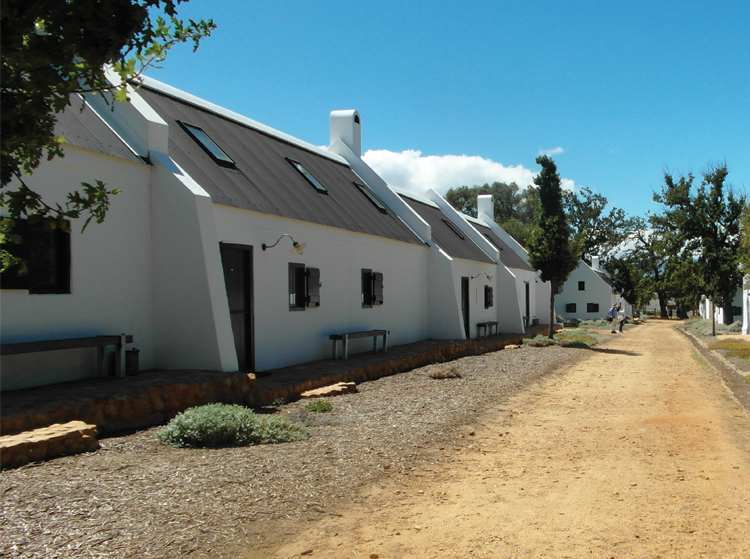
x=377, y=288
x=313, y=287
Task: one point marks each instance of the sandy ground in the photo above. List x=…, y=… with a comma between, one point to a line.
x=636, y=451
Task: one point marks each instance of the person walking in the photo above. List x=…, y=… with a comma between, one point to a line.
x=620, y=316
x=612, y=314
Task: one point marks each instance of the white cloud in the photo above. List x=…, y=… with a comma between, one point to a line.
x=553, y=151
x=412, y=171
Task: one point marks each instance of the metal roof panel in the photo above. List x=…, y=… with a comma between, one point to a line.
x=263, y=180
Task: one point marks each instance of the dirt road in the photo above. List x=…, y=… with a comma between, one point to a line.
x=637, y=451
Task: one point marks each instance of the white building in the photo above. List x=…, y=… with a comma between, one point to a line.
x=194, y=257
x=587, y=293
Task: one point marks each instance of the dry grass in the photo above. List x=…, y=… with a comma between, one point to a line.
x=137, y=497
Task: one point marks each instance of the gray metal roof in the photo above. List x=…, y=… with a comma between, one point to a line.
x=262, y=178
x=508, y=256
x=82, y=127
x=605, y=277
x=443, y=234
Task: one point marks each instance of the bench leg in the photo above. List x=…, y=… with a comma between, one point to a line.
x=346, y=347
x=335, y=355
x=385, y=342
x=100, y=361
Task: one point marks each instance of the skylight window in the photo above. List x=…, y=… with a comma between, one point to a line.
x=490, y=239
x=370, y=195
x=208, y=144
x=305, y=173
x=454, y=228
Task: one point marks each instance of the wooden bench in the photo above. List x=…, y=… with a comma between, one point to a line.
x=99, y=342
x=353, y=335
x=486, y=328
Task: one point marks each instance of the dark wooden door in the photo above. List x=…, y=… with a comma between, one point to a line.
x=465, y=306
x=528, y=305
x=237, y=261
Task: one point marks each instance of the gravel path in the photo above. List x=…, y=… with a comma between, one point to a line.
x=138, y=498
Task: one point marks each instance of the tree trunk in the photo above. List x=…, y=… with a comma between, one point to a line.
x=728, y=313
x=663, y=305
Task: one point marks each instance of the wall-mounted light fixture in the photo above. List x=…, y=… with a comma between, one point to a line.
x=297, y=248
x=489, y=278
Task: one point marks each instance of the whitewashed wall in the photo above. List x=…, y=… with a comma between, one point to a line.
x=284, y=337
x=597, y=291
x=111, y=275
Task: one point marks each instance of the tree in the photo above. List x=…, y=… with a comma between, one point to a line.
x=705, y=223
x=52, y=51
x=601, y=232
x=551, y=250
x=515, y=211
x=628, y=278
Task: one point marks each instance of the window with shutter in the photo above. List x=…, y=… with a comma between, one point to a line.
x=296, y=287
x=377, y=288
x=366, y=288
x=592, y=307
x=46, y=253
x=489, y=296
x=570, y=307
x=313, y=287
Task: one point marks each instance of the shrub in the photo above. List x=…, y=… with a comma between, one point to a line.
x=445, y=372
x=564, y=338
x=539, y=341
x=702, y=327
x=734, y=348
x=321, y=406
x=220, y=425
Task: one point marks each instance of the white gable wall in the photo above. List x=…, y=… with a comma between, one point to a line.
x=596, y=291
x=192, y=329
x=111, y=275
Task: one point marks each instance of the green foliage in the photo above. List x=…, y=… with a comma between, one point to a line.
x=601, y=233
x=320, y=406
x=515, y=210
x=551, y=250
x=52, y=51
x=733, y=348
x=220, y=425
x=705, y=328
x=564, y=338
x=576, y=338
x=702, y=227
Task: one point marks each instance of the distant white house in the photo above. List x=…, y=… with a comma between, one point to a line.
x=587, y=294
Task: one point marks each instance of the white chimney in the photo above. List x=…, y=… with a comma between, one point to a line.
x=486, y=206
x=595, y=264
x=345, y=126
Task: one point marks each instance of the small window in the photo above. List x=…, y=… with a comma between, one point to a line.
x=46, y=253
x=493, y=241
x=312, y=276
x=570, y=307
x=296, y=287
x=592, y=307
x=308, y=177
x=370, y=195
x=208, y=145
x=455, y=229
x=581, y=286
x=489, y=296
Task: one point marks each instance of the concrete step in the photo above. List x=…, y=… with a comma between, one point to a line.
x=59, y=439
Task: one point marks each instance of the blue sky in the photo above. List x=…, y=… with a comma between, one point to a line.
x=462, y=93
